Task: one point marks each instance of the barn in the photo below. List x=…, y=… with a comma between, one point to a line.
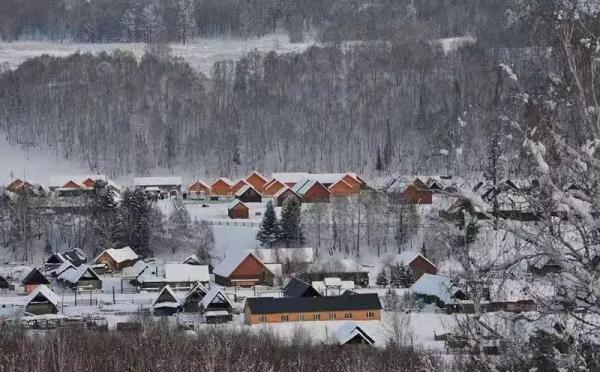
x=273, y=187
x=238, y=210
x=41, y=301
x=359, y=307
x=342, y=188
x=285, y=194
x=237, y=186
x=312, y=191
x=34, y=279
x=117, y=259
x=257, y=181
x=221, y=187
x=244, y=270
x=248, y=194
x=198, y=189
x=417, y=263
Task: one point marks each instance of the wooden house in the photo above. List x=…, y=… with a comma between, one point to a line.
x=75, y=256
x=215, y=307
x=166, y=303
x=299, y=288
x=176, y=275
x=193, y=297
x=221, y=187
x=117, y=259
x=237, y=186
x=198, y=190
x=312, y=191
x=273, y=187
x=34, y=279
x=351, y=333
x=54, y=261
x=342, y=188
x=257, y=181
x=297, y=309
x=41, y=301
x=76, y=184
x=243, y=270
x=416, y=263
x=238, y=210
x=15, y=185
x=81, y=278
x=416, y=193
x=284, y=194
x=248, y=194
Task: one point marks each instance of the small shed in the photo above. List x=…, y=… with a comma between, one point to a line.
x=117, y=259
x=198, y=189
x=193, y=298
x=41, y=301
x=248, y=194
x=417, y=263
x=238, y=210
x=351, y=333
x=285, y=194
x=215, y=307
x=167, y=303
x=237, y=186
x=34, y=279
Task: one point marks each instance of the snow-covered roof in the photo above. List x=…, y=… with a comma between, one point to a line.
x=191, y=260
x=234, y=203
x=135, y=270
x=290, y=177
x=406, y=257
x=243, y=189
x=282, y=190
x=231, y=262
x=62, y=268
x=224, y=179
x=348, y=330
x=59, y=181
x=198, y=287
x=342, y=285
x=328, y=177
x=283, y=255
x=121, y=254
x=337, y=265
x=175, y=303
x=435, y=285
x=44, y=291
x=179, y=272
x=74, y=274
x=157, y=181
x=332, y=282
x=200, y=182
x=210, y=296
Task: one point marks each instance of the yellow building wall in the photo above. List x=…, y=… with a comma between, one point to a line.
x=308, y=317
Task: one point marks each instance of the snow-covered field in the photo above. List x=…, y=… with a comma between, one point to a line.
x=201, y=54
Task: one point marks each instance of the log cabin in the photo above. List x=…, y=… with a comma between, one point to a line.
x=257, y=181
x=244, y=270
x=238, y=210
x=416, y=193
x=297, y=309
x=116, y=259
x=221, y=187
x=248, y=194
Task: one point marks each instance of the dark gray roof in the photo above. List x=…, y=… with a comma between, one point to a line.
x=298, y=288
x=270, y=305
x=35, y=277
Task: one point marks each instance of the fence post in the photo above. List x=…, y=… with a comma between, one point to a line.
x=75, y=296
x=113, y=292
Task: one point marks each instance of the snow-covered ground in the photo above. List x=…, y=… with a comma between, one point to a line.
x=201, y=54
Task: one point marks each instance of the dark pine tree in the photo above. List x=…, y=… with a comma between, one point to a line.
x=269, y=228
x=290, y=231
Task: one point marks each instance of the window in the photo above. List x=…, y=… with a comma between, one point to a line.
x=262, y=318
x=301, y=317
x=285, y=318
x=370, y=315
x=348, y=315
x=316, y=316
x=332, y=316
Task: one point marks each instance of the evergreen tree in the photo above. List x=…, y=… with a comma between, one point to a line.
x=379, y=163
x=236, y=158
x=392, y=300
x=269, y=228
x=104, y=210
x=136, y=219
x=290, y=231
x=406, y=277
x=395, y=275
x=381, y=280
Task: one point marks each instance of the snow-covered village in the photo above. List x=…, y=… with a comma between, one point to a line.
x=266, y=185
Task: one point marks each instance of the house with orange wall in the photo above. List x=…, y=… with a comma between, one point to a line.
x=244, y=269
x=221, y=187
x=257, y=181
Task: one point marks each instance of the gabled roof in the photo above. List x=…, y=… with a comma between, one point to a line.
x=214, y=292
x=42, y=293
x=136, y=269
x=157, y=181
x=236, y=202
x=55, y=258
x=349, y=331
x=255, y=173
x=16, y=184
x=225, y=180
x=73, y=274
x=120, y=254
x=297, y=288
x=305, y=185
x=171, y=298
x=59, y=181
x=71, y=185
x=176, y=272
x=62, y=268
x=197, y=288
x=405, y=258
x=244, y=189
x=239, y=185
x=270, y=305
x=200, y=182
x=231, y=262
x=192, y=260
x=337, y=265
x=35, y=277
x=289, y=177
x=283, y=190
x=75, y=255
x=439, y=286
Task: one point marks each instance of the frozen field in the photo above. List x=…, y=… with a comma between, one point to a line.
x=201, y=54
